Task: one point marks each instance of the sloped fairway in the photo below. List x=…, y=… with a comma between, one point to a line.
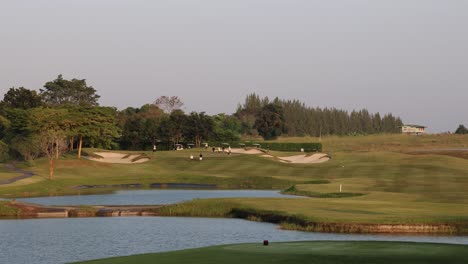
x=308, y=252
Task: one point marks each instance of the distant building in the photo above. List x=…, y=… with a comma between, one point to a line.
x=413, y=129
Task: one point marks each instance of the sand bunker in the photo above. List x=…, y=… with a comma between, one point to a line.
x=303, y=158
x=249, y=151
x=121, y=158
x=315, y=158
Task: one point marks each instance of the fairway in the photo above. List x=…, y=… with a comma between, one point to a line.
x=324, y=252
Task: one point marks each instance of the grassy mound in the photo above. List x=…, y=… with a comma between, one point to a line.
x=328, y=252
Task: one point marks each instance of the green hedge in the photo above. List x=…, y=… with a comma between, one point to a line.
x=275, y=146
x=290, y=147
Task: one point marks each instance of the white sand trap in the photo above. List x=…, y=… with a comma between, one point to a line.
x=243, y=151
x=112, y=157
x=315, y=158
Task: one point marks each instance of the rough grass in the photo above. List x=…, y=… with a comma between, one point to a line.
x=7, y=210
x=324, y=252
x=205, y=208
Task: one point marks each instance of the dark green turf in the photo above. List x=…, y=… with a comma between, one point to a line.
x=323, y=252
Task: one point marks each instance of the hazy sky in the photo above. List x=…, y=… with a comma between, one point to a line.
x=408, y=57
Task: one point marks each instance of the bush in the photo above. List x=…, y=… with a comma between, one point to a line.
x=290, y=147
x=4, y=149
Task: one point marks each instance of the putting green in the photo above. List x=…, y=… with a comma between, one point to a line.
x=325, y=252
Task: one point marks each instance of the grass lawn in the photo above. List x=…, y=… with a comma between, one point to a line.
x=398, y=187
x=308, y=252
x=6, y=174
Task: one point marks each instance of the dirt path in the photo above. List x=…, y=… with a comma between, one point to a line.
x=24, y=174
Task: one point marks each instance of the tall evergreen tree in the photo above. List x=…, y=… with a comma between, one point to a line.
x=270, y=121
x=301, y=120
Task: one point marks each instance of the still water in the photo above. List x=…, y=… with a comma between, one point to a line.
x=64, y=240
x=144, y=197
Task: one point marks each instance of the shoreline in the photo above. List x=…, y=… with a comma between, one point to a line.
x=22, y=210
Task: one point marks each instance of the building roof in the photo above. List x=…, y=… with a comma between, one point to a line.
x=418, y=126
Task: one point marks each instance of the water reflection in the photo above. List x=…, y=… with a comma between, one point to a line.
x=65, y=240
x=140, y=197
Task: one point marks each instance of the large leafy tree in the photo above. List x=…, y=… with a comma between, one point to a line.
x=21, y=98
x=226, y=128
x=18, y=131
x=152, y=118
x=140, y=126
x=69, y=92
x=270, y=121
x=95, y=125
x=19, y=122
x=199, y=127
x=173, y=127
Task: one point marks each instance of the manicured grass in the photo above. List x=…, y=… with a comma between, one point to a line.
x=324, y=252
x=356, y=212
x=294, y=191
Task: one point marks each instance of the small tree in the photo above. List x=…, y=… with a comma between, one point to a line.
x=51, y=125
x=52, y=143
x=461, y=130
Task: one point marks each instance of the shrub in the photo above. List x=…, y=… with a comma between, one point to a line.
x=3, y=151
x=289, y=147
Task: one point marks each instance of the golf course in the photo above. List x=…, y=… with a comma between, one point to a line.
x=390, y=184
x=387, y=180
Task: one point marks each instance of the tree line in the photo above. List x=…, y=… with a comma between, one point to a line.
x=260, y=116
x=65, y=115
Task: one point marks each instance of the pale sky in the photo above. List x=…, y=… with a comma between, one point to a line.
x=408, y=57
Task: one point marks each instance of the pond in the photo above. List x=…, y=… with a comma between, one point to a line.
x=50, y=241
x=146, y=197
